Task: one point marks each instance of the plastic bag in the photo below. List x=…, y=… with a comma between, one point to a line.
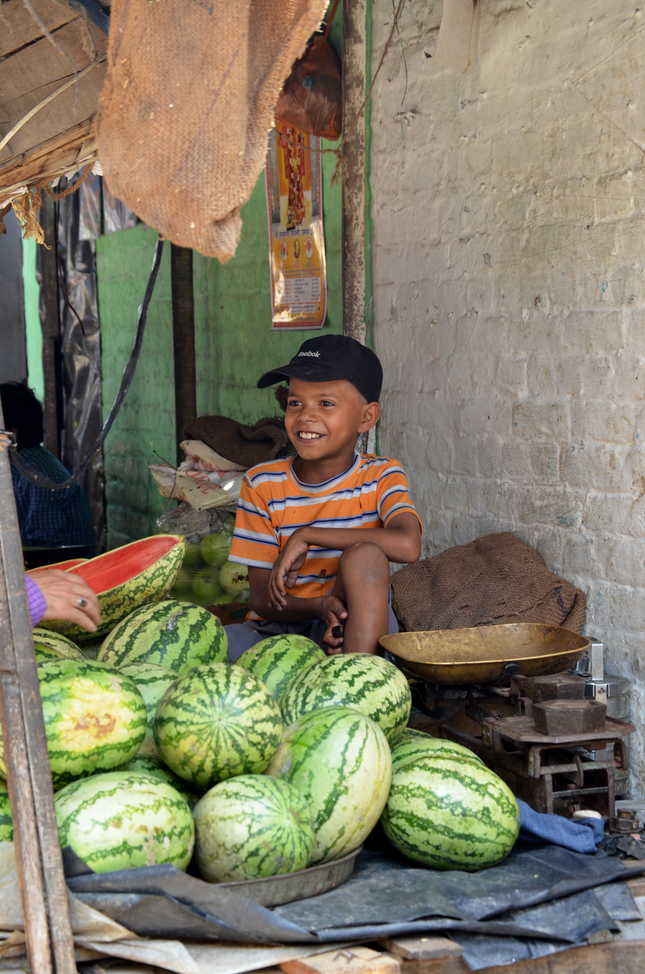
x=209, y=535
x=311, y=98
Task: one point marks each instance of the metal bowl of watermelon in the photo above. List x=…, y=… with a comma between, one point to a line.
x=485, y=654
x=277, y=890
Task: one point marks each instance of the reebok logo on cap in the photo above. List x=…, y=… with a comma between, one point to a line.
x=335, y=357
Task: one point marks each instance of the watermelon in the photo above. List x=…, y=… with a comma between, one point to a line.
x=407, y=748
x=178, y=635
x=126, y=578
x=6, y=822
x=52, y=645
x=152, y=682
x=95, y=718
x=215, y=722
x=124, y=819
x=278, y=659
x=159, y=770
x=339, y=760
x=367, y=683
x=450, y=813
x=234, y=578
x=250, y=827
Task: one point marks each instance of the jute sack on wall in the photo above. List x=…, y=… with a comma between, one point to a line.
x=496, y=579
x=188, y=101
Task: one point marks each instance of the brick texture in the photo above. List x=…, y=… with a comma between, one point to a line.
x=509, y=294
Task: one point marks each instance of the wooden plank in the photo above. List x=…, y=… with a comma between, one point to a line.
x=622, y=957
x=48, y=159
x=353, y=171
x=183, y=339
x=637, y=886
x=38, y=853
x=30, y=75
x=423, y=948
x=344, y=960
x=18, y=28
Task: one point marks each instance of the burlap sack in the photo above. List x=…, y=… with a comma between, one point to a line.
x=184, y=115
x=493, y=580
x=243, y=445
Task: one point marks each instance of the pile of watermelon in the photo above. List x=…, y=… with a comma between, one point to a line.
x=161, y=751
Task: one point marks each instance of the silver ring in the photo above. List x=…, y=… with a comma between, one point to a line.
x=81, y=602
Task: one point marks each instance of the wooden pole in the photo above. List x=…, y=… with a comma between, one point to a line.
x=50, y=324
x=183, y=333
x=353, y=170
x=39, y=862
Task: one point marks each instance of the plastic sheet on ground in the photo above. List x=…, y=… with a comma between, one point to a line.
x=542, y=893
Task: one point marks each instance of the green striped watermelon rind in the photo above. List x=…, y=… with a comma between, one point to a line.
x=53, y=645
x=95, y=719
x=252, y=827
x=340, y=761
x=407, y=748
x=151, y=681
x=370, y=684
x=153, y=765
x=6, y=821
x=278, y=659
x=450, y=813
x=215, y=722
x=120, y=820
x=178, y=635
x=150, y=585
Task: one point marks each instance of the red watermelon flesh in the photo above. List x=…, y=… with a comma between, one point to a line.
x=123, y=564
x=61, y=566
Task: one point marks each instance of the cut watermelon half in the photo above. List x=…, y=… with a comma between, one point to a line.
x=125, y=579
x=62, y=566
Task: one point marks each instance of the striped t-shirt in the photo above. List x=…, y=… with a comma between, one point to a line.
x=274, y=503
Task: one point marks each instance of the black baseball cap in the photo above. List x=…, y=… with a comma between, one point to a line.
x=329, y=357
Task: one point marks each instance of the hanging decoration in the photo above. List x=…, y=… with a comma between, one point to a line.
x=296, y=241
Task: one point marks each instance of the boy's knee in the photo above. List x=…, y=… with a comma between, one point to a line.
x=367, y=557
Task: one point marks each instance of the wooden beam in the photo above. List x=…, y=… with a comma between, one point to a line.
x=353, y=169
x=38, y=855
x=183, y=334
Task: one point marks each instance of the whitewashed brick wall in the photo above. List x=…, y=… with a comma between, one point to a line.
x=509, y=290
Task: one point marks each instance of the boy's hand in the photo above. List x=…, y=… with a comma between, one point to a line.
x=284, y=573
x=333, y=613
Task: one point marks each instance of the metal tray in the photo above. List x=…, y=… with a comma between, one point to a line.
x=276, y=890
x=457, y=657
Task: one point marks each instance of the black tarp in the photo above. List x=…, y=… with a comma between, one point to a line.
x=540, y=899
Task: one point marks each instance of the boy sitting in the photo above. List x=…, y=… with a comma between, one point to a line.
x=319, y=529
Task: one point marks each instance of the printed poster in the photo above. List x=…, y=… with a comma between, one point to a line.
x=296, y=241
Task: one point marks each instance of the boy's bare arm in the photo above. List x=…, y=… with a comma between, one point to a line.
x=330, y=609
x=400, y=541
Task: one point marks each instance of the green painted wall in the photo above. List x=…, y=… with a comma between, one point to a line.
x=234, y=345
x=34, y=334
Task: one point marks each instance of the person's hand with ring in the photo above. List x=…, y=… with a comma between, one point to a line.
x=68, y=597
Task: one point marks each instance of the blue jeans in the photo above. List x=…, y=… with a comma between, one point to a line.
x=242, y=637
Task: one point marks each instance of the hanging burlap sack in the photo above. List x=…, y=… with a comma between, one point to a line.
x=496, y=579
x=185, y=112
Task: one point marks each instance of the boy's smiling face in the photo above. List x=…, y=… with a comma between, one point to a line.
x=323, y=421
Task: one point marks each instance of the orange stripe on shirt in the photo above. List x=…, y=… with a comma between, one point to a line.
x=274, y=503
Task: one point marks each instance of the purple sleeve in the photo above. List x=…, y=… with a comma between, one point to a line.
x=37, y=601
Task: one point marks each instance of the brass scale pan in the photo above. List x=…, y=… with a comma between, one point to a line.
x=457, y=657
